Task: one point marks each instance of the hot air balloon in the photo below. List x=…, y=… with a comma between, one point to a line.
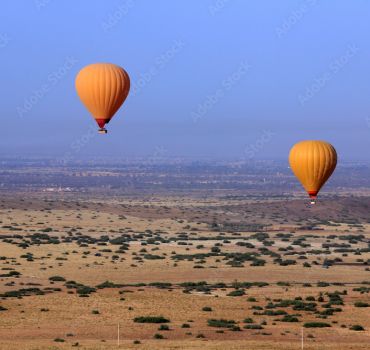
x=102, y=88
x=313, y=162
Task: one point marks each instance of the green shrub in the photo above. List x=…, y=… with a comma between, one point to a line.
x=274, y=312
x=59, y=340
x=57, y=279
x=289, y=318
x=361, y=304
x=283, y=284
x=253, y=326
x=256, y=307
x=163, y=327
x=108, y=284
x=85, y=290
x=22, y=292
x=151, y=319
x=221, y=323
x=236, y=293
x=11, y=274
x=161, y=285
x=316, y=325
x=357, y=327
x=153, y=257
x=323, y=284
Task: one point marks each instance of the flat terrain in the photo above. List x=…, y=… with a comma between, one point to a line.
x=213, y=272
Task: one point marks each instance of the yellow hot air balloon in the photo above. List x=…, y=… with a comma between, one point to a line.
x=312, y=163
x=102, y=88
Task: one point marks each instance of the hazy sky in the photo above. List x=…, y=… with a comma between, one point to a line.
x=225, y=78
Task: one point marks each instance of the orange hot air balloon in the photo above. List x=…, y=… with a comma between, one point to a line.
x=102, y=88
x=312, y=163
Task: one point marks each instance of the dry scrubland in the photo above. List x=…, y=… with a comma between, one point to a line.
x=214, y=274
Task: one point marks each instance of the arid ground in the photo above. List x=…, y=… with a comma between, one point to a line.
x=179, y=272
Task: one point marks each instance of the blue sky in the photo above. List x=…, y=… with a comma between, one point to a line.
x=210, y=78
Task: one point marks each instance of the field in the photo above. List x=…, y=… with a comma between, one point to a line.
x=183, y=272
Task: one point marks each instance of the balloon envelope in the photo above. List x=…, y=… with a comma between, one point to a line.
x=102, y=88
x=313, y=162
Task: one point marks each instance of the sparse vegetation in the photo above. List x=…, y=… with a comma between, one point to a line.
x=151, y=319
x=143, y=262
x=316, y=325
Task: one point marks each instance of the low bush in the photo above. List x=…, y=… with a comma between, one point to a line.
x=236, y=293
x=361, y=304
x=316, y=325
x=221, y=323
x=207, y=308
x=57, y=279
x=163, y=327
x=253, y=326
x=289, y=318
x=59, y=340
x=151, y=319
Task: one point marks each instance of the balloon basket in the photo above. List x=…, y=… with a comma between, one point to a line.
x=102, y=131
